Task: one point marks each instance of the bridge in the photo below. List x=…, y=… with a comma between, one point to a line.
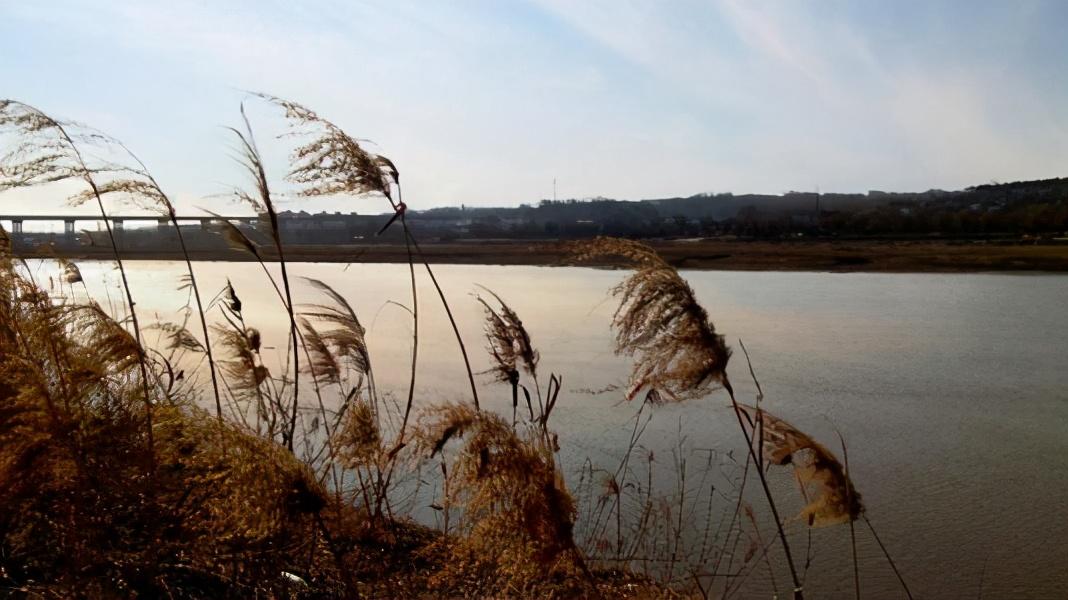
x=117, y=221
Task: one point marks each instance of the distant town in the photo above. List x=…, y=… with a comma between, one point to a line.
x=1033, y=210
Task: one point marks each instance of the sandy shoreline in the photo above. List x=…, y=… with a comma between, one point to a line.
x=845, y=256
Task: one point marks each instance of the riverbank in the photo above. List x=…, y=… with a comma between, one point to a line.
x=710, y=254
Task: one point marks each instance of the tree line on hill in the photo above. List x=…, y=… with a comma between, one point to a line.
x=1010, y=209
x=1032, y=209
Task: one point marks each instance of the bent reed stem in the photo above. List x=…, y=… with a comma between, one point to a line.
x=798, y=593
x=173, y=216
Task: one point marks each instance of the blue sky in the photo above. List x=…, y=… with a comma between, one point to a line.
x=485, y=102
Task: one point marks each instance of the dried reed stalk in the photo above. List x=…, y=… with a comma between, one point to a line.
x=331, y=162
x=142, y=188
x=677, y=350
x=46, y=152
x=262, y=202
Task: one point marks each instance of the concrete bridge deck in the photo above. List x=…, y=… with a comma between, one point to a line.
x=117, y=220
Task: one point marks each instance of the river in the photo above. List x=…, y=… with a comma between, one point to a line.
x=951, y=392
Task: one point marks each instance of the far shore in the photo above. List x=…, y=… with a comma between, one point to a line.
x=938, y=256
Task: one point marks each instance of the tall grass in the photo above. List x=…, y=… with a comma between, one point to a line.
x=45, y=152
x=283, y=494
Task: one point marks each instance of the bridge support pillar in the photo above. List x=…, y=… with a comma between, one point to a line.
x=117, y=224
x=16, y=226
x=68, y=226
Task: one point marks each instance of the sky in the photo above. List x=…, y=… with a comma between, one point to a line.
x=487, y=102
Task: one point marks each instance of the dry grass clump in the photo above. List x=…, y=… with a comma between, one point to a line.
x=659, y=321
x=88, y=508
x=518, y=517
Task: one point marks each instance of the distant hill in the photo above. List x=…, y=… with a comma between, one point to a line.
x=1022, y=207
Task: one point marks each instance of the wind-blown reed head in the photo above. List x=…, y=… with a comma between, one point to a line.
x=178, y=337
x=47, y=152
x=70, y=271
x=248, y=156
x=235, y=238
x=343, y=343
x=659, y=321
x=244, y=371
x=331, y=161
x=43, y=149
x=112, y=343
x=520, y=513
x=507, y=341
x=823, y=481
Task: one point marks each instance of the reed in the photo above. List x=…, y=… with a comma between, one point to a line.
x=331, y=162
x=45, y=152
x=518, y=514
x=81, y=516
x=262, y=202
x=269, y=497
x=679, y=355
x=148, y=191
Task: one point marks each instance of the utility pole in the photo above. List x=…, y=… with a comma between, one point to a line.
x=554, y=189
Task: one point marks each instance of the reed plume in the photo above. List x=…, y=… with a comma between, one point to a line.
x=262, y=202
x=113, y=343
x=239, y=240
x=659, y=321
x=244, y=369
x=822, y=479
x=47, y=151
x=323, y=365
x=331, y=162
x=507, y=340
x=345, y=336
x=520, y=515
x=358, y=440
x=70, y=271
x=678, y=351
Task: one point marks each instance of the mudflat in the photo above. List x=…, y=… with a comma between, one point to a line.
x=712, y=254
